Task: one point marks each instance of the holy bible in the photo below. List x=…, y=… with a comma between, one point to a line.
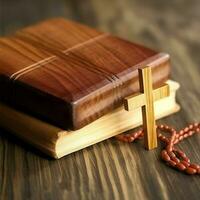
x=57, y=143
x=69, y=75
x=62, y=84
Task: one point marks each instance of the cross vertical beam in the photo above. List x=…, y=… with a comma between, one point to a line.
x=146, y=99
x=149, y=125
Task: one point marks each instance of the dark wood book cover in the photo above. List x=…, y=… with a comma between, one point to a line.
x=69, y=74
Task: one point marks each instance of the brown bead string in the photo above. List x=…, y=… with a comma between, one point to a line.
x=171, y=155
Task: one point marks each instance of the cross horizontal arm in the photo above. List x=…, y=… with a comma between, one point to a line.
x=138, y=100
x=161, y=92
x=134, y=101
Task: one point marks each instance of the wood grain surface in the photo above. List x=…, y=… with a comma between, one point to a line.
x=111, y=169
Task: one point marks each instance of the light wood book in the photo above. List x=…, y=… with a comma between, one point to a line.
x=57, y=142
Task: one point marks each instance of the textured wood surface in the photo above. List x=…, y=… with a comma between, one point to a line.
x=111, y=169
x=64, y=65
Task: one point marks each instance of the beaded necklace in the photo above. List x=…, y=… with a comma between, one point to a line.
x=171, y=155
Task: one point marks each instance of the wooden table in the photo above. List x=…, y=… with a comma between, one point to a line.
x=112, y=169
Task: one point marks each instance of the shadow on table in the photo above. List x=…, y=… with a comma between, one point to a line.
x=14, y=140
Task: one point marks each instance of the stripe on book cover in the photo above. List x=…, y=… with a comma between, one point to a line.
x=41, y=63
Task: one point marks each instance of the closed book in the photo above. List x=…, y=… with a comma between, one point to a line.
x=69, y=75
x=57, y=142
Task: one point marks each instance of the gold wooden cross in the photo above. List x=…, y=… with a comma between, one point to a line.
x=145, y=99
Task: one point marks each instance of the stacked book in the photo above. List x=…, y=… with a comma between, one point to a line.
x=62, y=85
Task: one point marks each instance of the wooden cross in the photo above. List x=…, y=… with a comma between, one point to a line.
x=145, y=99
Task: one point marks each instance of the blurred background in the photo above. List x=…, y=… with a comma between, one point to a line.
x=169, y=26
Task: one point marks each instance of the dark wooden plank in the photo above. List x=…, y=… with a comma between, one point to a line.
x=111, y=169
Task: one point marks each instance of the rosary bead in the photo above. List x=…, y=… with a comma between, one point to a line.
x=164, y=152
x=185, y=163
x=180, y=166
x=161, y=126
x=173, y=136
x=196, y=124
x=166, y=141
x=181, y=132
x=140, y=132
x=176, y=160
x=166, y=127
x=191, y=170
x=170, y=129
x=162, y=137
x=130, y=139
x=177, y=136
x=191, y=126
x=187, y=159
x=190, y=133
x=136, y=135
x=179, y=151
x=172, y=163
x=195, y=166
x=181, y=138
x=175, y=141
x=183, y=155
x=165, y=156
x=186, y=129
x=171, y=154
x=169, y=148
x=173, y=130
